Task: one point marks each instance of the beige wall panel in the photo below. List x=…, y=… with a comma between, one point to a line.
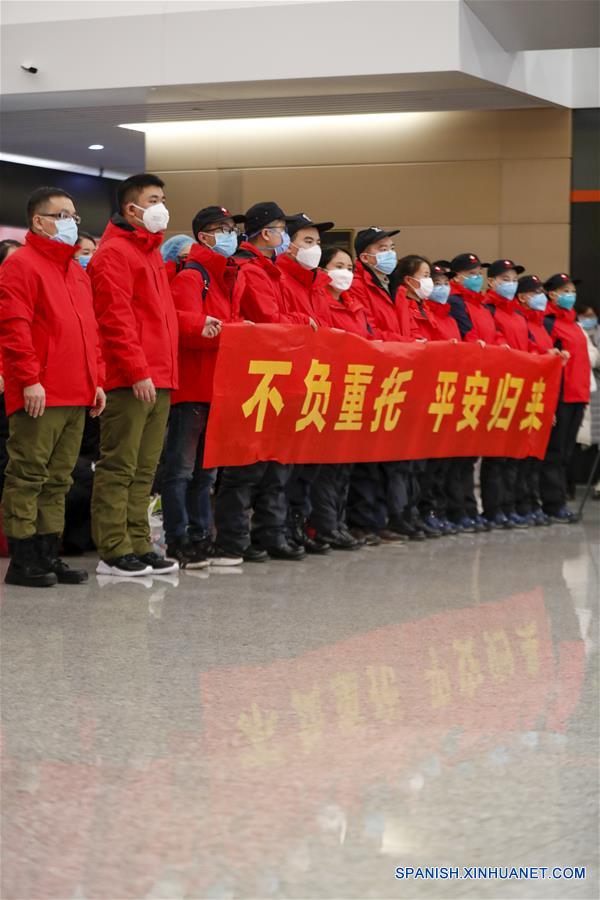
x=543, y=249
x=446, y=241
x=412, y=194
x=535, y=190
x=535, y=134
x=175, y=150
x=187, y=192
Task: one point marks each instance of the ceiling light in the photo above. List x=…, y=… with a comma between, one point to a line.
x=96, y=147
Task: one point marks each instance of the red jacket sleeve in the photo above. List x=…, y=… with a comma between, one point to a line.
x=257, y=301
x=17, y=292
x=187, y=296
x=112, y=283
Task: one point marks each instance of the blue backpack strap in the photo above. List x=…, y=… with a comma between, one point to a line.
x=205, y=276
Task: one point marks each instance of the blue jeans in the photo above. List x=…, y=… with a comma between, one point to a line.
x=186, y=485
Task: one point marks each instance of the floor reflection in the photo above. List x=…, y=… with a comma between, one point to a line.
x=302, y=733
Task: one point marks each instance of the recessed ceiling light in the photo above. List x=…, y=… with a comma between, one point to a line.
x=96, y=147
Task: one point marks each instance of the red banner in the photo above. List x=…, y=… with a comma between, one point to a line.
x=291, y=394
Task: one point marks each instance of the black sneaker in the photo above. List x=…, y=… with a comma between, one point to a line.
x=161, y=565
x=368, y=538
x=255, y=554
x=128, y=566
x=188, y=554
x=288, y=552
x=339, y=541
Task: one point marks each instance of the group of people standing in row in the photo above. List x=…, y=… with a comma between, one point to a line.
x=130, y=334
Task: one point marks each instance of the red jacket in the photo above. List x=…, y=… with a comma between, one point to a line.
x=349, y=315
x=48, y=330
x=510, y=326
x=197, y=354
x=539, y=339
x=305, y=290
x=566, y=334
x=258, y=292
x=475, y=322
x=134, y=307
x=433, y=320
x=388, y=321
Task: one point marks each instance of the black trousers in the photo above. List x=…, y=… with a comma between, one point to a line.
x=553, y=473
x=434, y=499
x=528, y=486
x=298, y=488
x=329, y=497
x=260, y=488
x=378, y=494
x=460, y=488
x=499, y=479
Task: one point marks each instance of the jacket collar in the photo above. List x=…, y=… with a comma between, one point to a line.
x=441, y=310
x=533, y=315
x=214, y=262
x=292, y=267
x=563, y=315
x=369, y=278
x=495, y=299
x=119, y=228
x=254, y=256
x=456, y=287
x=57, y=252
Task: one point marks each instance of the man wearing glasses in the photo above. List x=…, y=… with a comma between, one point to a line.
x=202, y=295
x=53, y=371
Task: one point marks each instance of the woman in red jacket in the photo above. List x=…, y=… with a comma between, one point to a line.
x=431, y=316
x=561, y=324
x=202, y=295
x=329, y=490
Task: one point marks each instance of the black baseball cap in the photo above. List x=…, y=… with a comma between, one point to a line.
x=443, y=264
x=438, y=269
x=211, y=214
x=301, y=220
x=369, y=236
x=559, y=280
x=503, y=265
x=259, y=216
x=466, y=261
x=529, y=283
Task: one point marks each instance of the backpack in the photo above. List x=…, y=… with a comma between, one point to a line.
x=206, y=277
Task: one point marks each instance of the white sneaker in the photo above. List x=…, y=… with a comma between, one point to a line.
x=128, y=566
x=226, y=559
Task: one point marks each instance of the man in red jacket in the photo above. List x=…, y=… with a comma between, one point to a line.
x=304, y=291
x=138, y=330
x=202, y=294
x=258, y=295
x=569, y=337
x=378, y=497
x=499, y=474
x=52, y=369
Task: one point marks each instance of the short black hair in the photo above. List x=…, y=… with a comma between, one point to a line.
x=40, y=197
x=131, y=187
x=88, y=236
x=329, y=252
x=5, y=247
x=408, y=265
x=581, y=305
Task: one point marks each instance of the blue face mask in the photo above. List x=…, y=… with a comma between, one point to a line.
x=66, y=232
x=538, y=302
x=440, y=293
x=285, y=242
x=473, y=283
x=84, y=261
x=507, y=289
x=225, y=244
x=590, y=323
x=386, y=261
x=566, y=301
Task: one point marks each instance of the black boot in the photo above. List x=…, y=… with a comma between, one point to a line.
x=25, y=567
x=301, y=539
x=48, y=547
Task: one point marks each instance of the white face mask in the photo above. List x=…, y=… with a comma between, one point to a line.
x=425, y=288
x=341, y=279
x=309, y=257
x=155, y=217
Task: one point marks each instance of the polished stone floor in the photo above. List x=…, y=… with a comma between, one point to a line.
x=302, y=729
